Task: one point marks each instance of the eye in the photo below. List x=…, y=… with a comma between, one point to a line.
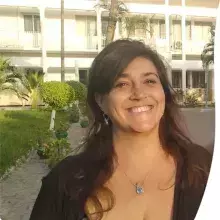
x=121, y=85
x=151, y=81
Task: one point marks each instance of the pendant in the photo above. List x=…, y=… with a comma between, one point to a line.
x=139, y=189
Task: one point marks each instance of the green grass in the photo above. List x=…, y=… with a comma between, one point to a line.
x=19, y=131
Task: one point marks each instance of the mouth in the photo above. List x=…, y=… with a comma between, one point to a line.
x=145, y=108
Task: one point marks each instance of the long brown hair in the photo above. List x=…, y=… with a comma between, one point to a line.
x=98, y=154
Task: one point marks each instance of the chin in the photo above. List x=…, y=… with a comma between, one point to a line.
x=143, y=128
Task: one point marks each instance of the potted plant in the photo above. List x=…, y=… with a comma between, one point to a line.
x=43, y=144
x=84, y=122
x=42, y=151
x=58, y=150
x=61, y=132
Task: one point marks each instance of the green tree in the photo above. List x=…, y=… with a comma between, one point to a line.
x=117, y=9
x=31, y=84
x=141, y=22
x=12, y=79
x=207, y=58
x=57, y=95
x=207, y=55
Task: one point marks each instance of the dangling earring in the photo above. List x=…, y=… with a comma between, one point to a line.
x=106, y=118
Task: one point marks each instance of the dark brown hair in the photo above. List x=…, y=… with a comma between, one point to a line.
x=98, y=153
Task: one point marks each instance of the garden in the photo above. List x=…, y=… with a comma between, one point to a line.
x=43, y=127
x=54, y=106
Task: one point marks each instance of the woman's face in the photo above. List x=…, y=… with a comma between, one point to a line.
x=137, y=100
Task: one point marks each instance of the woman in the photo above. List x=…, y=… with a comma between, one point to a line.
x=136, y=161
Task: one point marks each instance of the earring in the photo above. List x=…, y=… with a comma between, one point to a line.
x=106, y=118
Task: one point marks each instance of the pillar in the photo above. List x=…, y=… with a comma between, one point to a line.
x=99, y=27
x=190, y=80
x=184, y=80
x=76, y=71
x=43, y=43
x=183, y=25
x=167, y=46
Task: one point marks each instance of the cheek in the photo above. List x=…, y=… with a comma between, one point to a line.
x=113, y=103
x=160, y=97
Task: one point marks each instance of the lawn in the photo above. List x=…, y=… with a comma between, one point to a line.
x=19, y=131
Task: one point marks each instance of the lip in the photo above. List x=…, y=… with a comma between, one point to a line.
x=140, y=109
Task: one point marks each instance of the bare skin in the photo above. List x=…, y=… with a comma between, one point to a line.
x=135, y=106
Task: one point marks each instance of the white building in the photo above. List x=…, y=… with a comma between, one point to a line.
x=30, y=36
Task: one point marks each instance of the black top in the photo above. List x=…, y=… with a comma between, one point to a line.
x=53, y=203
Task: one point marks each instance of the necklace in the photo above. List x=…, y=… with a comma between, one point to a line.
x=139, y=187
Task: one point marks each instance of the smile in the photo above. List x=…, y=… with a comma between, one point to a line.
x=141, y=109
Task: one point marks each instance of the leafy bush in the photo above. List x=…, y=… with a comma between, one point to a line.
x=178, y=95
x=193, y=97
x=57, y=94
x=74, y=114
x=57, y=151
x=80, y=90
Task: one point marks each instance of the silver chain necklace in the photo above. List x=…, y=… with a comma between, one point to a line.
x=139, y=188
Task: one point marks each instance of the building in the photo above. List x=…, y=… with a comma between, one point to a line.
x=30, y=36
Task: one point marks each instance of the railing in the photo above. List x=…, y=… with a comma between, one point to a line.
x=10, y=40
x=19, y=40
x=194, y=47
x=31, y=40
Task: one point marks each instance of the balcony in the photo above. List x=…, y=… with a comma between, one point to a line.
x=72, y=43
x=192, y=47
x=15, y=40
x=10, y=40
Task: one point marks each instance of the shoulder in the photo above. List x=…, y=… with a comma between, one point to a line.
x=64, y=170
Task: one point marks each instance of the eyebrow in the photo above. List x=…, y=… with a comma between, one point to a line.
x=126, y=75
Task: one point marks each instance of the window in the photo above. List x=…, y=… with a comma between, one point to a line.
x=32, y=23
x=86, y=32
x=198, y=79
x=202, y=30
x=177, y=79
x=83, y=76
x=162, y=29
x=159, y=28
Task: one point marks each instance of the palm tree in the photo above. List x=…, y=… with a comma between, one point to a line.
x=31, y=84
x=207, y=58
x=24, y=85
x=11, y=79
x=117, y=9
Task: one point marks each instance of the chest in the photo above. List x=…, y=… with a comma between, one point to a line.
x=152, y=205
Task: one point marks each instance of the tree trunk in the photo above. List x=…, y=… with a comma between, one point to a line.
x=62, y=42
x=52, y=119
x=112, y=22
x=206, y=86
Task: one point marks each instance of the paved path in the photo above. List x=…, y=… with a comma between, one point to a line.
x=20, y=189
x=201, y=126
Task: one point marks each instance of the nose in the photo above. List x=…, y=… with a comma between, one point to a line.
x=138, y=93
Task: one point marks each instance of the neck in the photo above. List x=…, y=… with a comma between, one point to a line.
x=136, y=148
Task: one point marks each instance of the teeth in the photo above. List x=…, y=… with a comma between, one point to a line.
x=141, y=109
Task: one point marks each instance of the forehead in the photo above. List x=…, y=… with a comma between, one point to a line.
x=140, y=65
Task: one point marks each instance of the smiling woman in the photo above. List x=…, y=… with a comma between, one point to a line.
x=136, y=161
